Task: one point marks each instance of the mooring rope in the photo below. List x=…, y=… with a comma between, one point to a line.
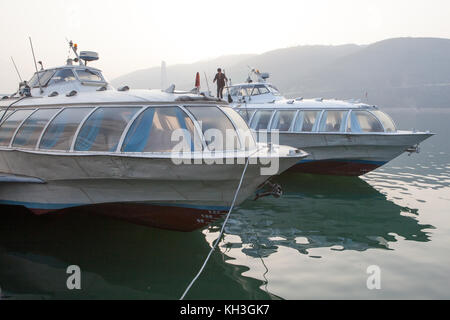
x=222, y=230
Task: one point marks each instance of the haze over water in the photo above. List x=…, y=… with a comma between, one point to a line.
x=315, y=242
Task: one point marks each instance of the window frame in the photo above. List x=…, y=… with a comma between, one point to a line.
x=38, y=145
x=19, y=126
x=98, y=72
x=38, y=81
x=294, y=118
x=205, y=145
x=52, y=81
x=390, y=118
x=320, y=112
x=241, y=139
x=145, y=108
x=6, y=116
x=343, y=126
x=42, y=132
x=269, y=124
x=362, y=132
x=76, y=135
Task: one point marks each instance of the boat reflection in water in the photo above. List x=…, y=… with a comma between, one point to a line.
x=118, y=260
x=121, y=260
x=343, y=213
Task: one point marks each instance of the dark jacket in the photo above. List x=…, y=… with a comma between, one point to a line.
x=220, y=78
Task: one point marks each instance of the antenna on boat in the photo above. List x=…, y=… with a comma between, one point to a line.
x=17, y=70
x=35, y=66
x=74, y=48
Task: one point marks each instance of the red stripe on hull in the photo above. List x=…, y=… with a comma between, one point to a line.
x=164, y=217
x=42, y=211
x=340, y=168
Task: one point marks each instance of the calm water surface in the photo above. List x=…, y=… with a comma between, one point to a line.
x=315, y=242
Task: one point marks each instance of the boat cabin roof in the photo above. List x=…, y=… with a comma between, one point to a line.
x=301, y=103
x=111, y=97
x=137, y=128
x=270, y=88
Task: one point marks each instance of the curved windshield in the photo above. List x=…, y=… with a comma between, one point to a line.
x=274, y=90
x=63, y=75
x=28, y=134
x=218, y=130
x=5, y=114
x=103, y=129
x=363, y=121
x=43, y=79
x=60, y=132
x=162, y=129
x=388, y=124
x=247, y=138
x=262, y=89
x=89, y=75
x=9, y=126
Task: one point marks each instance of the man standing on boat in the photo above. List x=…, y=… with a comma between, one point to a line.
x=221, y=78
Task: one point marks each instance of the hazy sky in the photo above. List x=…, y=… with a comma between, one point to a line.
x=135, y=34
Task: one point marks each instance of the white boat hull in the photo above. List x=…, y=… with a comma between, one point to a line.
x=149, y=191
x=349, y=154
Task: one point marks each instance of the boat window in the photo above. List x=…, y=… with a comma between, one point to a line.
x=282, y=120
x=246, y=114
x=274, y=90
x=61, y=131
x=5, y=114
x=63, y=75
x=10, y=125
x=160, y=130
x=103, y=129
x=306, y=121
x=333, y=121
x=263, y=89
x=255, y=91
x=89, y=75
x=363, y=121
x=28, y=134
x=388, y=124
x=44, y=77
x=244, y=131
x=219, y=132
x=261, y=120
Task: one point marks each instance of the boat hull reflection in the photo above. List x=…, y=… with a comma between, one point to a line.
x=117, y=260
x=343, y=213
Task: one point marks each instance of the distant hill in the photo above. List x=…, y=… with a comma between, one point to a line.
x=183, y=75
x=401, y=72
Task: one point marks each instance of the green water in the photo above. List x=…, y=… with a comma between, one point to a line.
x=315, y=242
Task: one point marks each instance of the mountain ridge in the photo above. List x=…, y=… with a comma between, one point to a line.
x=397, y=72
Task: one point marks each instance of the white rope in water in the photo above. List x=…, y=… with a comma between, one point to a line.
x=221, y=231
